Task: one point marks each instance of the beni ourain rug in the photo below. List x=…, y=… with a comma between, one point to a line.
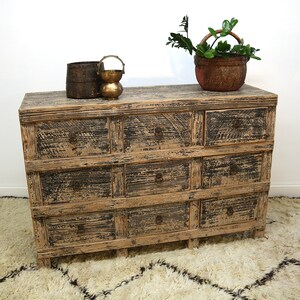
x=234, y=267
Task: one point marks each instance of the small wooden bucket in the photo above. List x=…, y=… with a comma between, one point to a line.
x=82, y=80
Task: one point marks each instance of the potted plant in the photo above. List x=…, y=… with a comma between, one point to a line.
x=218, y=66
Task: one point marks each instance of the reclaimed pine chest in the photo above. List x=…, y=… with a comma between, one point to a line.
x=161, y=164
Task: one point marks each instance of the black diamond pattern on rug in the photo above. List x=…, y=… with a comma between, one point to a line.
x=267, y=278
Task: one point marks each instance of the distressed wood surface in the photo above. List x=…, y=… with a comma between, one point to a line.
x=144, y=240
x=80, y=228
x=228, y=211
x=195, y=183
x=157, y=178
x=72, y=138
x=161, y=164
x=30, y=151
x=147, y=200
x=235, y=126
x=158, y=219
x=75, y=185
x=231, y=169
x=55, y=105
x=142, y=157
x=157, y=131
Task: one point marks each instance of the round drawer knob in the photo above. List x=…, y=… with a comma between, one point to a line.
x=72, y=138
x=76, y=186
x=237, y=124
x=229, y=211
x=158, y=220
x=159, y=177
x=233, y=169
x=158, y=133
x=80, y=228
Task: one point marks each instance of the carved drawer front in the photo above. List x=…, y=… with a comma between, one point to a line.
x=231, y=169
x=228, y=211
x=235, y=126
x=72, y=138
x=76, y=185
x=80, y=228
x=157, y=131
x=157, y=178
x=158, y=219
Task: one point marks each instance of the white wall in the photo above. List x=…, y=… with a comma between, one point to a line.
x=38, y=38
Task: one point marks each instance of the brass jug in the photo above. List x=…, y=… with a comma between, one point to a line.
x=111, y=88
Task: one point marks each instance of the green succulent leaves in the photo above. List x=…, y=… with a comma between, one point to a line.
x=222, y=48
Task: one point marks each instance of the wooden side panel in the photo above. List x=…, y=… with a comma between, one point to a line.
x=80, y=228
x=266, y=165
x=196, y=182
x=120, y=216
x=77, y=185
x=261, y=215
x=72, y=138
x=158, y=219
x=34, y=189
x=271, y=115
x=157, y=178
x=117, y=134
x=227, y=211
x=118, y=180
x=231, y=169
x=235, y=126
x=197, y=128
x=157, y=131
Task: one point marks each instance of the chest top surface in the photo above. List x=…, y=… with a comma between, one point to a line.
x=145, y=99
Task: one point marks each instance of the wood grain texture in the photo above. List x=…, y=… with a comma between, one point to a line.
x=157, y=131
x=144, y=240
x=143, y=157
x=228, y=210
x=157, y=219
x=75, y=185
x=148, y=200
x=80, y=228
x=72, y=138
x=140, y=100
x=231, y=169
x=157, y=178
x=235, y=126
x=161, y=164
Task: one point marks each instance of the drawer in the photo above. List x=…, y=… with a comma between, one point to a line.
x=228, y=211
x=76, y=185
x=158, y=219
x=157, y=178
x=157, y=131
x=86, y=228
x=231, y=169
x=72, y=138
x=235, y=126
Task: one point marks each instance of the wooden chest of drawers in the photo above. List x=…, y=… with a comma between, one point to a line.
x=161, y=164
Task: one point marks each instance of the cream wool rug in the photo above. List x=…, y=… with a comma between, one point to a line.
x=243, y=268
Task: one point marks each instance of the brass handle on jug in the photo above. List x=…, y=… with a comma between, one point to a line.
x=111, y=88
x=101, y=65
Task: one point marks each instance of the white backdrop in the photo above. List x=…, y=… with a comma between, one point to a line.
x=38, y=38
